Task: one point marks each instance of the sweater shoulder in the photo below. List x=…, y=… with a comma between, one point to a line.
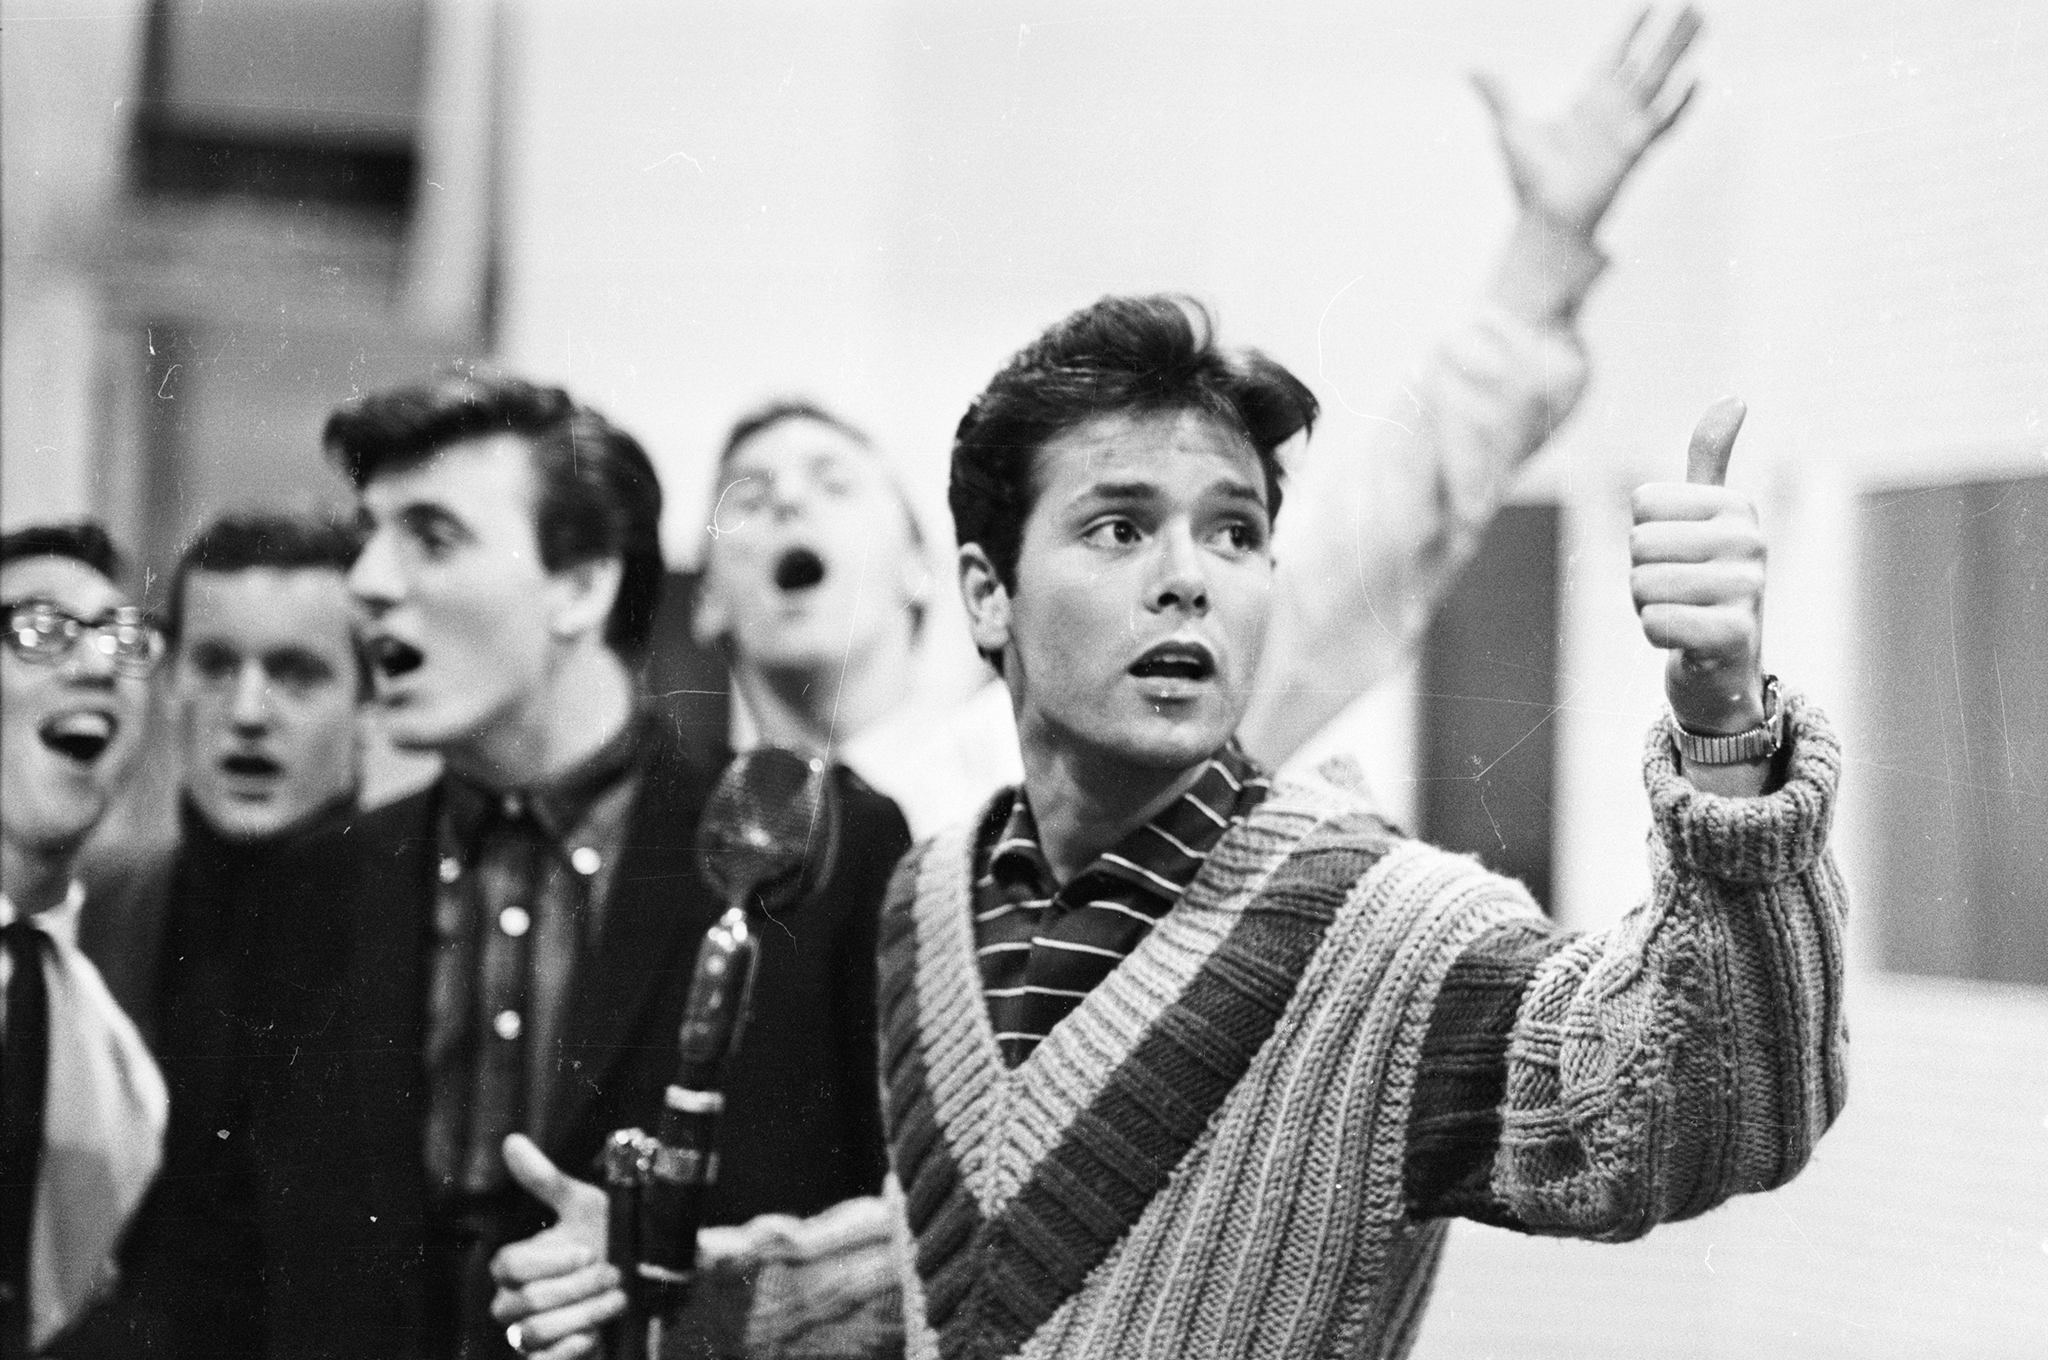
x=1325, y=815
x=1303, y=835
x=1311, y=846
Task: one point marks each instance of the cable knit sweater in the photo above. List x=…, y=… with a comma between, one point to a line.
x=1208, y=1157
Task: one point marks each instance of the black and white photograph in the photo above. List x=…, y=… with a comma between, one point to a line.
x=690, y=680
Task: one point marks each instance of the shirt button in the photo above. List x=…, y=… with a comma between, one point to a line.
x=451, y=868
x=508, y=1024
x=585, y=860
x=514, y=922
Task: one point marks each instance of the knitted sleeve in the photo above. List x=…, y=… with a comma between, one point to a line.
x=1374, y=533
x=1695, y=1051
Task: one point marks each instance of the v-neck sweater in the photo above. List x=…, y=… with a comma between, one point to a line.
x=1206, y=1157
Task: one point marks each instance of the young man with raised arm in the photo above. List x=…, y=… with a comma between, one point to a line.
x=1031, y=979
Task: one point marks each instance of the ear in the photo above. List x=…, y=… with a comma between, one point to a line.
x=987, y=600
x=586, y=592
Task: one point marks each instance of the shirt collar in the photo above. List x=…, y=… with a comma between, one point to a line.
x=1016, y=854
x=1161, y=857
x=60, y=922
x=560, y=804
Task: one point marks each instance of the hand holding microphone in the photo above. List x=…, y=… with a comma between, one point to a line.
x=617, y=1256
x=555, y=1289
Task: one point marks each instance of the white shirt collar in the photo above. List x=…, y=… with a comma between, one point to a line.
x=60, y=922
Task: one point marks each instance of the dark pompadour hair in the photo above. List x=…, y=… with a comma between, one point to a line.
x=82, y=541
x=249, y=540
x=1123, y=355
x=598, y=495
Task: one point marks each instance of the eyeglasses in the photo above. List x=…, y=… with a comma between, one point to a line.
x=41, y=633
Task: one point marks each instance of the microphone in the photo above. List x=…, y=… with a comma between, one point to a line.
x=769, y=837
x=767, y=841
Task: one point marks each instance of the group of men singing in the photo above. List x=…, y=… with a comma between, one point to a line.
x=1099, y=1039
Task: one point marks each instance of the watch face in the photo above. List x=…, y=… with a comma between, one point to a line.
x=1740, y=748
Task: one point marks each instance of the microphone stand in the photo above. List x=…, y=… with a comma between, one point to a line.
x=768, y=837
x=656, y=1185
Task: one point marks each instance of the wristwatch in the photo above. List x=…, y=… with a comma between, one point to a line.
x=1758, y=743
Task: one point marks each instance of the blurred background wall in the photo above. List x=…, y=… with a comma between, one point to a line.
x=223, y=217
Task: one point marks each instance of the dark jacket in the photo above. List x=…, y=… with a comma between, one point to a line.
x=340, y=1237
x=154, y=911
x=173, y=931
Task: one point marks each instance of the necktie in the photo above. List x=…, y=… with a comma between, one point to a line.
x=24, y=1069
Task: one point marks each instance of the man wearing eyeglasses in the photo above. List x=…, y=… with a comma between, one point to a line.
x=82, y=1105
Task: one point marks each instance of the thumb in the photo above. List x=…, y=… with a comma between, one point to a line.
x=1495, y=96
x=1713, y=440
x=539, y=1177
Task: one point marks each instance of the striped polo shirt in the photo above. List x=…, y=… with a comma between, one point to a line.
x=1042, y=947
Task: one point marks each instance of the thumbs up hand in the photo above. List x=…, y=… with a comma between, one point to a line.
x=555, y=1288
x=1697, y=574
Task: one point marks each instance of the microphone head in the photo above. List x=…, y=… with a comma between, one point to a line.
x=770, y=830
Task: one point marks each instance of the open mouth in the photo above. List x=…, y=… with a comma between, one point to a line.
x=82, y=737
x=1175, y=661
x=251, y=766
x=799, y=569
x=393, y=658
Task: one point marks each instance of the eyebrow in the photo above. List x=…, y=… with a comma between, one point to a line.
x=1231, y=489
x=105, y=615
x=414, y=514
x=296, y=654
x=1119, y=491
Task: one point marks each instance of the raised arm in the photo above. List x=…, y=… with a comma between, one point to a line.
x=1695, y=1051
x=1374, y=534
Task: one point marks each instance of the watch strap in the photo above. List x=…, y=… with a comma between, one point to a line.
x=1740, y=748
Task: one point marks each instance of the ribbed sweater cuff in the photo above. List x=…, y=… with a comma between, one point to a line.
x=1764, y=839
